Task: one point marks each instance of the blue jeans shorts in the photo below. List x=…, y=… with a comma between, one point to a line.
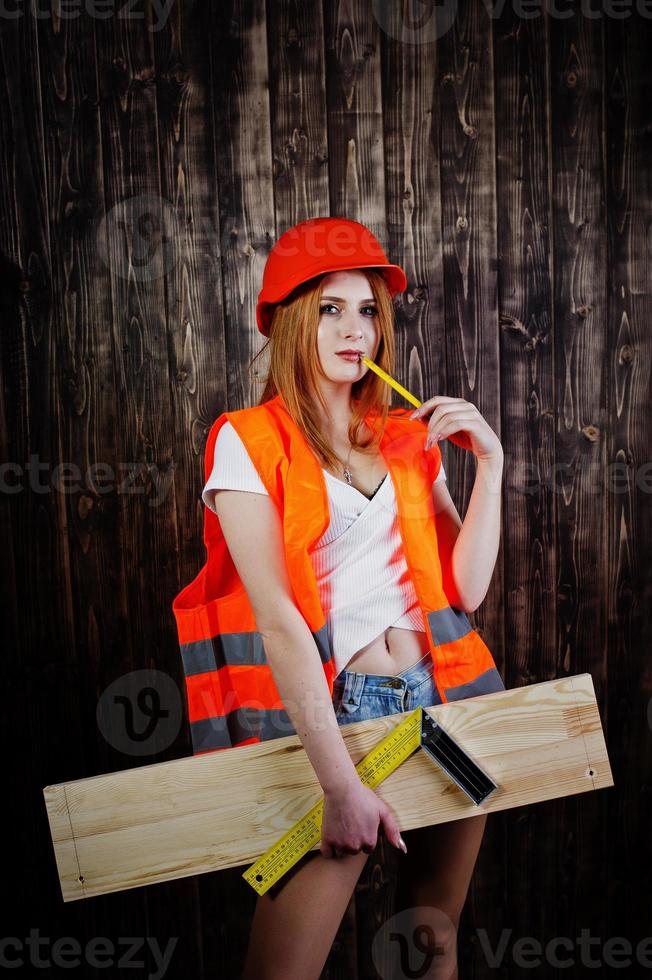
x=357, y=697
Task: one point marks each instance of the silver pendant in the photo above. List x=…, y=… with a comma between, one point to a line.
x=348, y=476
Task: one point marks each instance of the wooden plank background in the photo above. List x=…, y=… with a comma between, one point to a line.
x=148, y=164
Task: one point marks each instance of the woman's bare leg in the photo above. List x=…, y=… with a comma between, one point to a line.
x=436, y=873
x=292, y=933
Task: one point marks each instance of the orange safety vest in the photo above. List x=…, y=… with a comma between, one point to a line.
x=231, y=693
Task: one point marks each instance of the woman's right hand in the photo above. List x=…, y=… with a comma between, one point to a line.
x=351, y=819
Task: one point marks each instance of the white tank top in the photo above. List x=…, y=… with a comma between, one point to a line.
x=362, y=575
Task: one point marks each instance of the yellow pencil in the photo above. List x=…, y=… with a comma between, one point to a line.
x=390, y=381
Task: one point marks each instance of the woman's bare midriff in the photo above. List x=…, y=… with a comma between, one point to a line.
x=395, y=649
x=391, y=652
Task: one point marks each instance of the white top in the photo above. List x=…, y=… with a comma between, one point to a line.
x=362, y=575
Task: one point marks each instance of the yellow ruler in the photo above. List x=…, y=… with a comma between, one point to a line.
x=383, y=759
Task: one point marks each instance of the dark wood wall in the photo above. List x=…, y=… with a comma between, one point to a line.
x=145, y=173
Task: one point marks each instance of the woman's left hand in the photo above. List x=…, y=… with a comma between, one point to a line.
x=461, y=422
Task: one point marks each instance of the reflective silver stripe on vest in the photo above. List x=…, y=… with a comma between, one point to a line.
x=227, y=731
x=237, y=648
x=448, y=624
x=485, y=683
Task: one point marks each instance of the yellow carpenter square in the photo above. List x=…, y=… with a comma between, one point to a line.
x=383, y=759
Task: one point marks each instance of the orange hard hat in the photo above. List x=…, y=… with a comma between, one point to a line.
x=315, y=246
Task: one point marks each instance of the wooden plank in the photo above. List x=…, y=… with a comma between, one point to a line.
x=244, y=167
x=28, y=520
x=411, y=131
x=297, y=96
x=580, y=276
x=471, y=342
x=185, y=50
x=628, y=590
x=528, y=418
x=355, y=116
x=240, y=106
x=411, y=173
x=65, y=370
x=181, y=818
x=134, y=233
x=469, y=238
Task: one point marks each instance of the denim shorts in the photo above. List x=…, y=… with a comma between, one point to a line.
x=357, y=697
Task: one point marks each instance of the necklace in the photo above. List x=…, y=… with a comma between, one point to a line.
x=348, y=476
x=347, y=472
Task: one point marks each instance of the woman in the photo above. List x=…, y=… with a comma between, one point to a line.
x=327, y=290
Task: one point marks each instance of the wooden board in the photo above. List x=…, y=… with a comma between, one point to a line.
x=224, y=809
